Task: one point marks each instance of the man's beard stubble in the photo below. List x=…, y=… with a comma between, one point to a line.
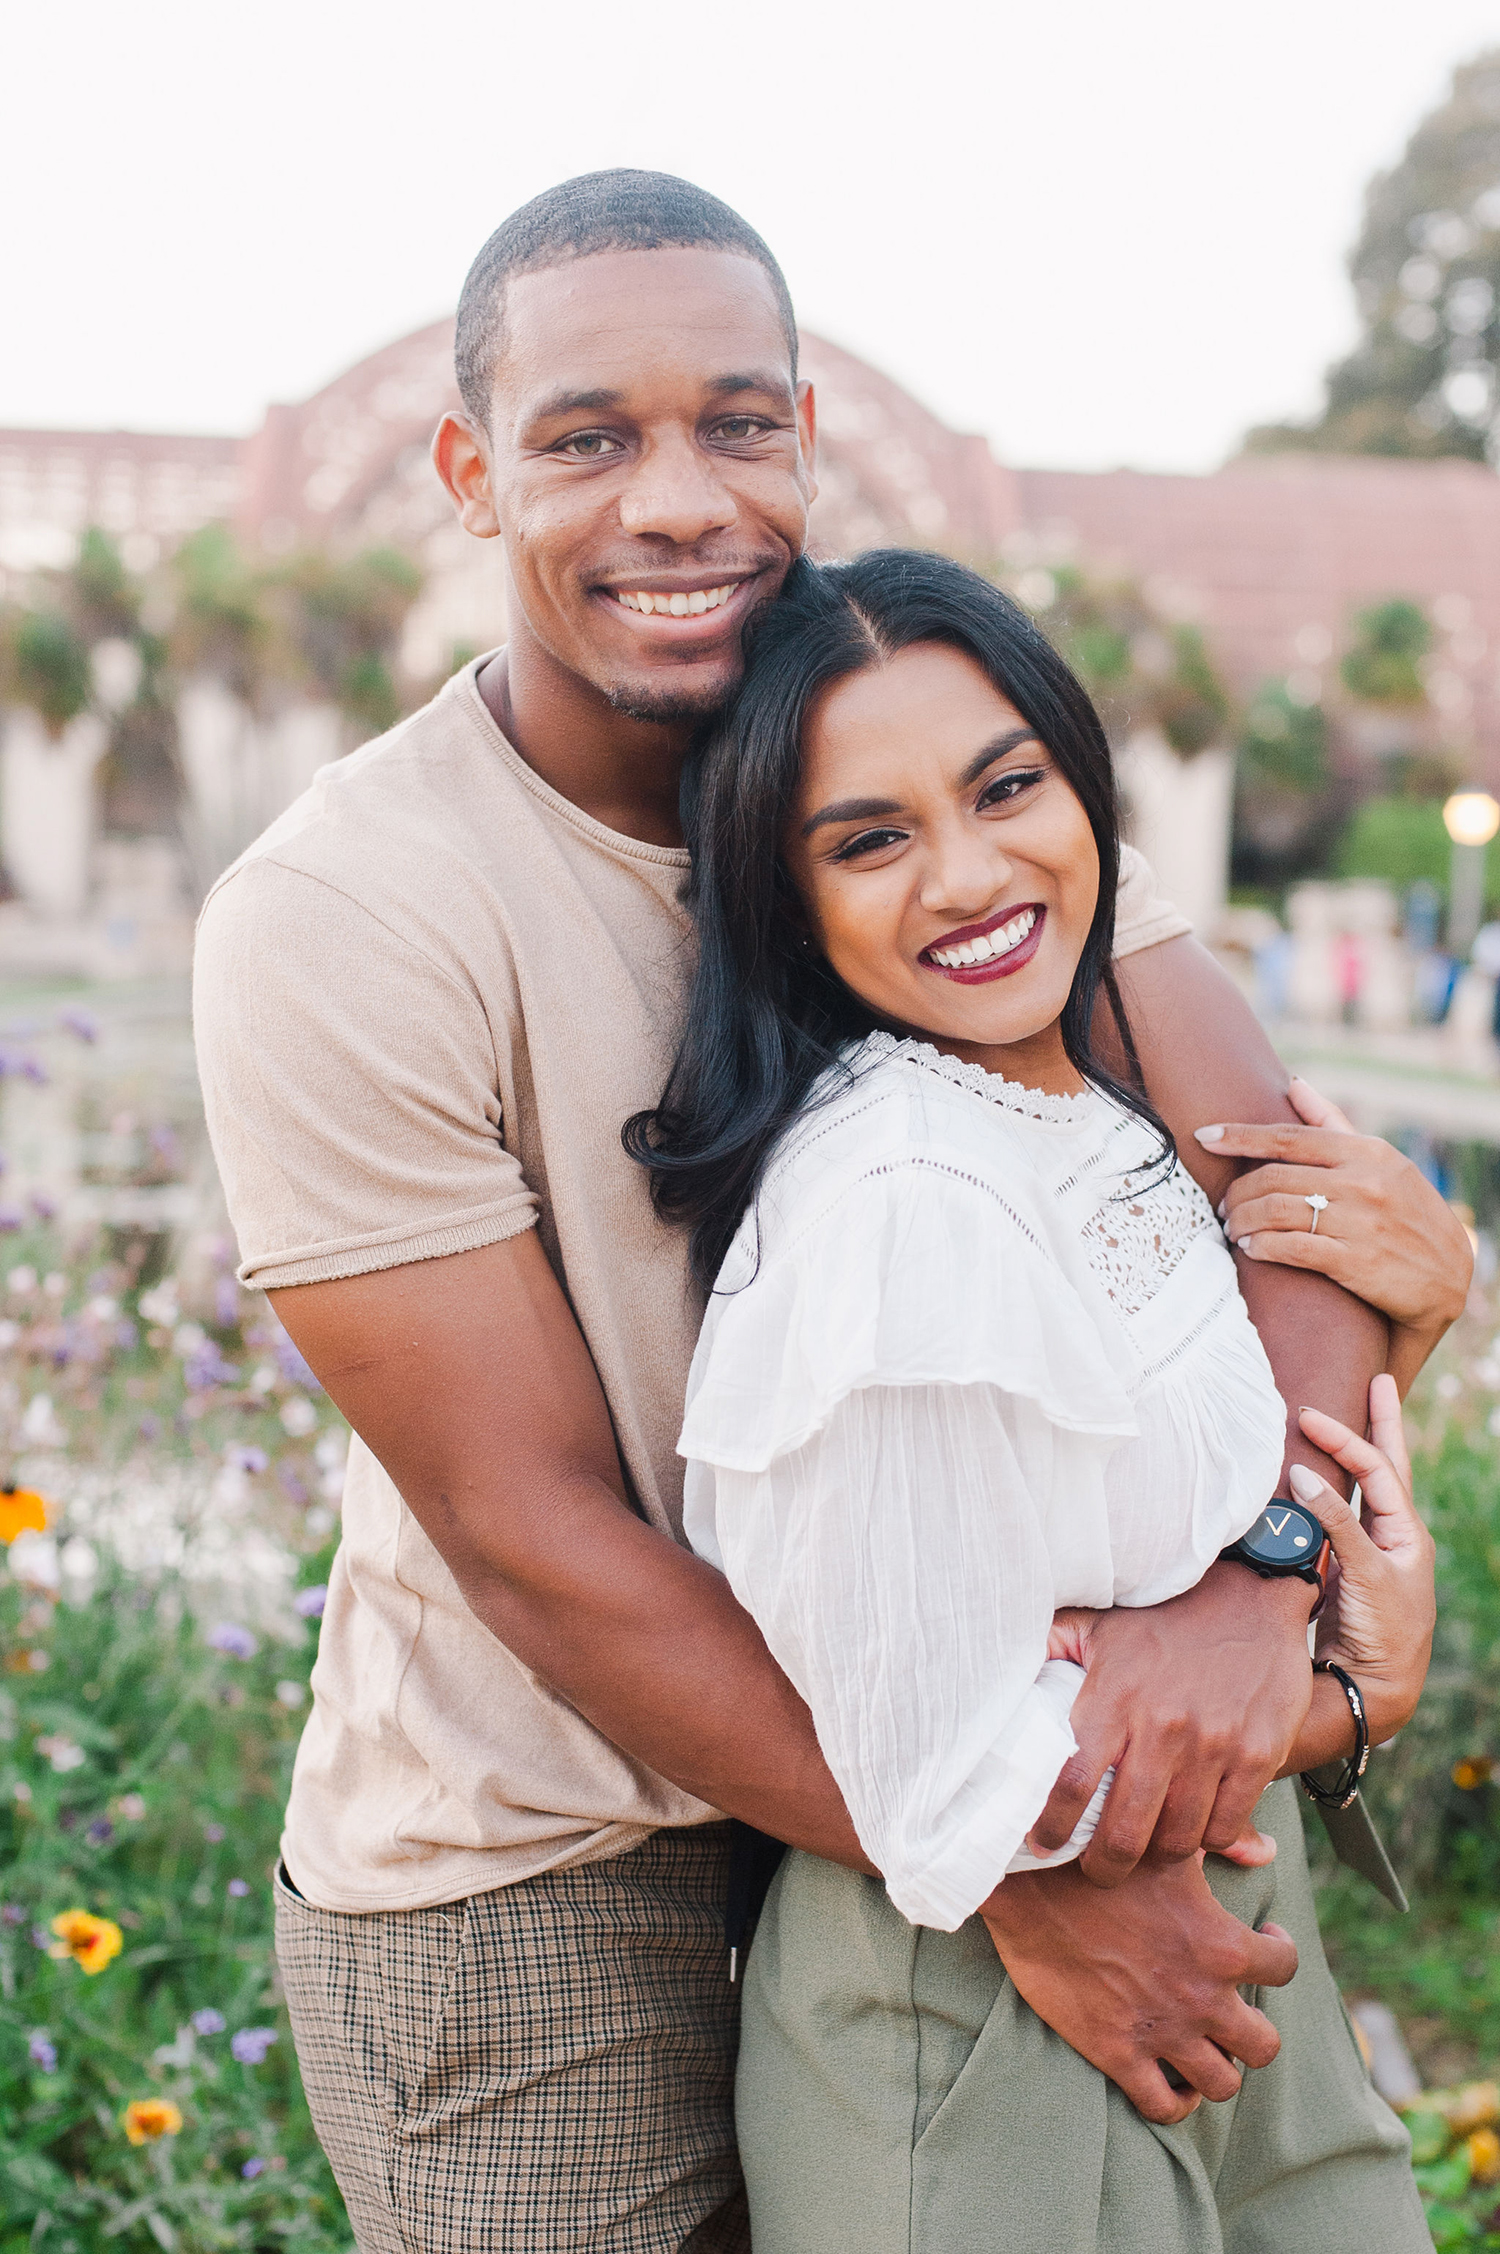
x=667, y=708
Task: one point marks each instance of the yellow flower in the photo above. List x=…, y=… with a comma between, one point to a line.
x=22, y=1511
x=1483, y=2149
x=1476, y=1769
x=90, y=1941
x=147, y=2118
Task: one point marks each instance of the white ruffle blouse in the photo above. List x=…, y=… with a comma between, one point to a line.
x=971, y=1357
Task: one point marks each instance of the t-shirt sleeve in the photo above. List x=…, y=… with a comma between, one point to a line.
x=1144, y=917
x=351, y=1085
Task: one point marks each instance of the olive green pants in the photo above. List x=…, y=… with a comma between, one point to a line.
x=896, y=2096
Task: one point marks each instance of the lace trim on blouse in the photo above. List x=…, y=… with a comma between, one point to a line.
x=1031, y=1103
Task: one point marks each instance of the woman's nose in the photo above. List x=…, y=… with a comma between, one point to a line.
x=964, y=875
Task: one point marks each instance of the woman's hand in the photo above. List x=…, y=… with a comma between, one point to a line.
x=1385, y=1233
x=1379, y=1623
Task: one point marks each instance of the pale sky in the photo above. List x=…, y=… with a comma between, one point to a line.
x=1099, y=231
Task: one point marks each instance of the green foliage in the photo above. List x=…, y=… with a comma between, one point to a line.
x=49, y=667
x=1401, y=840
x=106, y=597
x=1283, y=745
x=143, y=1769
x=1140, y=670
x=1426, y=271
x=221, y=623
x=1383, y=664
x=345, y=622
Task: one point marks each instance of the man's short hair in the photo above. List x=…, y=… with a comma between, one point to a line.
x=599, y=211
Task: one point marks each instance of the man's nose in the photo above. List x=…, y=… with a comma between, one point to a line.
x=676, y=494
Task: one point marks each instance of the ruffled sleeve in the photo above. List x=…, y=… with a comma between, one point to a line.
x=882, y=1420
x=918, y=1270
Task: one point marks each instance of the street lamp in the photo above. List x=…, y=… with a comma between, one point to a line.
x=1471, y=818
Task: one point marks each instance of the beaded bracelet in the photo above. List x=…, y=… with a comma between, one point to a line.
x=1346, y=1791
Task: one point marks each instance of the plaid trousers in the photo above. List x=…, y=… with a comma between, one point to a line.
x=544, y=2069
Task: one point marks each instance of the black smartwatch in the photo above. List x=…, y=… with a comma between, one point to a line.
x=1286, y=1539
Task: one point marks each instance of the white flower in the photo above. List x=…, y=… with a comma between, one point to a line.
x=103, y=1309
x=61, y=1752
x=187, y=1338
x=21, y=1281
x=262, y=1378
x=79, y=1559
x=40, y=1426
x=9, y=1333
x=159, y=1304
x=298, y=1416
x=132, y=1807
x=291, y=1694
x=33, y=1560
x=55, y=1285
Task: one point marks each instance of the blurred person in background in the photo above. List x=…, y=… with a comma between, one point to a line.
x=426, y=1000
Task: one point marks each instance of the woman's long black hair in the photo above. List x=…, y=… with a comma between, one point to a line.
x=767, y=1017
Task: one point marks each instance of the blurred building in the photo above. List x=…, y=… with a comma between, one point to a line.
x=1269, y=556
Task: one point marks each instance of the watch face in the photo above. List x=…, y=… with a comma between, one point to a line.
x=1285, y=1534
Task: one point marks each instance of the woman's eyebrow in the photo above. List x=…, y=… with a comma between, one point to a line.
x=994, y=751
x=853, y=810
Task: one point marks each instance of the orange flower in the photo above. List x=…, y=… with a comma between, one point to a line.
x=1473, y=1771
x=22, y=1511
x=90, y=1941
x=1483, y=2149
x=147, y=2118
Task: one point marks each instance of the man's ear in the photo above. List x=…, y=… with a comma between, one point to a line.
x=461, y=459
x=807, y=435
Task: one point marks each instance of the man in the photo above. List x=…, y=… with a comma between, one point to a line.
x=426, y=1001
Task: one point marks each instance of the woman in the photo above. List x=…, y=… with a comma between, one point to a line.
x=975, y=1357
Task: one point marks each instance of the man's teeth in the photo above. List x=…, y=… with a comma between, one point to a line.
x=676, y=606
x=988, y=945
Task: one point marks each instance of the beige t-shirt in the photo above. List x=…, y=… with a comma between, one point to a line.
x=425, y=1001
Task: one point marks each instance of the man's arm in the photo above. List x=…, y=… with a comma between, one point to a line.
x=469, y=1379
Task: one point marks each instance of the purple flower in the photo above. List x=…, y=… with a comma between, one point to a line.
x=163, y=1140
x=33, y=1069
x=291, y=1486
x=100, y=1830
x=209, y=2022
x=226, y=1302
x=254, y=2166
x=40, y=1937
x=42, y=2053
x=206, y=1367
x=82, y=1024
x=310, y=1602
x=11, y=1219
x=238, y=1888
x=12, y=1914
x=250, y=2045
x=149, y=1427
x=213, y=1833
x=44, y=1207
x=247, y=1459
x=231, y=1638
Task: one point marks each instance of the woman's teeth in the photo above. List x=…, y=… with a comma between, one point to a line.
x=988, y=945
x=676, y=606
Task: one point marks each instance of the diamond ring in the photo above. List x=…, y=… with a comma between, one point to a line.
x=1319, y=1205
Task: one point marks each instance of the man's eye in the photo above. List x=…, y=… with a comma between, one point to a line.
x=736, y=427
x=868, y=841
x=589, y=445
x=1006, y=787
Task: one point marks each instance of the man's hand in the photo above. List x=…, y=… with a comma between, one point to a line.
x=1385, y=1234
x=1146, y=1974
x=1197, y=1703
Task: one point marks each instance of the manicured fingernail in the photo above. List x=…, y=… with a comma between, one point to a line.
x=1247, y=1246
x=1222, y=1207
x=1209, y=1134
x=1305, y=1484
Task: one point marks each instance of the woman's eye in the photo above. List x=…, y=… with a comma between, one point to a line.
x=1007, y=787
x=868, y=841
x=589, y=445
